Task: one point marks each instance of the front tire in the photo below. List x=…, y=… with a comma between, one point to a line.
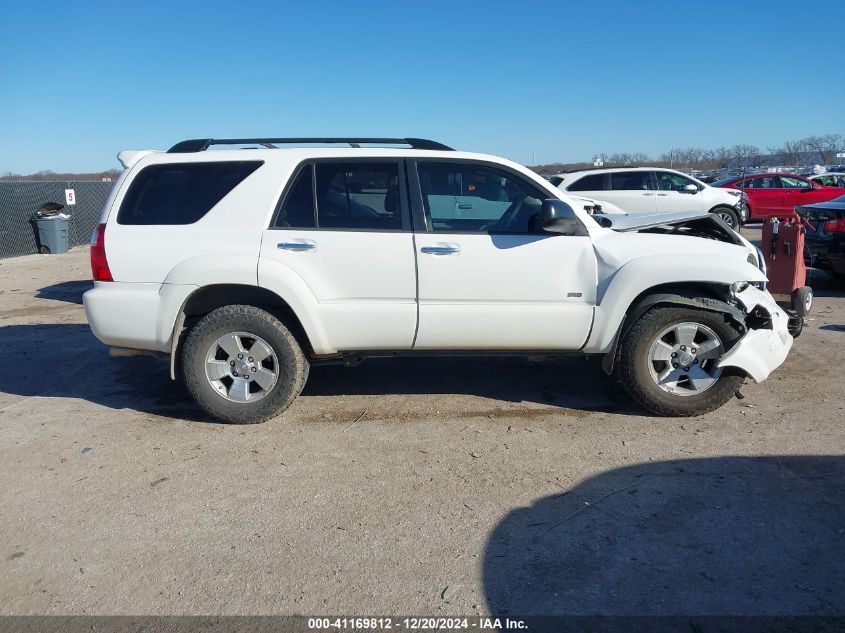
x=667, y=359
x=242, y=365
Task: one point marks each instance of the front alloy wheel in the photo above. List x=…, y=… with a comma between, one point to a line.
x=682, y=359
x=667, y=361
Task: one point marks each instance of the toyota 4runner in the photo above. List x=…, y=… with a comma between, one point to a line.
x=247, y=266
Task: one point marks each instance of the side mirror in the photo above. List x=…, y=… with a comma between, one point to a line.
x=691, y=188
x=558, y=217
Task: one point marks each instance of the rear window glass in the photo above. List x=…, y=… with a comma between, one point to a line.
x=595, y=182
x=180, y=193
x=630, y=181
x=358, y=196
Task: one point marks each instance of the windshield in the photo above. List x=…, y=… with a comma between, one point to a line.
x=722, y=182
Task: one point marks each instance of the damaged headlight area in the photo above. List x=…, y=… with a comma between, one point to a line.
x=737, y=287
x=757, y=316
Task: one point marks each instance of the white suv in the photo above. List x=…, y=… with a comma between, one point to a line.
x=655, y=190
x=248, y=266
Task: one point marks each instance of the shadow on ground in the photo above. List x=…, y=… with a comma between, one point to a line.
x=68, y=291
x=571, y=382
x=80, y=367
x=721, y=536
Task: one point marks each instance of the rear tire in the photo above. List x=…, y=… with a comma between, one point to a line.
x=242, y=365
x=728, y=215
x=695, y=386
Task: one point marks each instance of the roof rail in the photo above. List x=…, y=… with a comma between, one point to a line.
x=202, y=144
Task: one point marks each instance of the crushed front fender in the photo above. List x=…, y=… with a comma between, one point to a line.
x=759, y=352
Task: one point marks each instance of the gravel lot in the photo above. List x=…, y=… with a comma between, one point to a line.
x=412, y=486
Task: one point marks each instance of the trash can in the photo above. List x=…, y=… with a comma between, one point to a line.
x=51, y=228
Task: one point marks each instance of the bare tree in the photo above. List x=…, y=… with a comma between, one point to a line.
x=790, y=152
x=723, y=156
x=827, y=146
x=639, y=158
x=745, y=155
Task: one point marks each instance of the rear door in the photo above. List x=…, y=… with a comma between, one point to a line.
x=672, y=194
x=343, y=228
x=632, y=191
x=495, y=280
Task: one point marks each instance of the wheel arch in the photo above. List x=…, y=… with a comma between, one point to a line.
x=210, y=297
x=715, y=209
x=710, y=296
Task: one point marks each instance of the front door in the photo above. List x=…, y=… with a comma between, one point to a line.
x=489, y=277
x=351, y=247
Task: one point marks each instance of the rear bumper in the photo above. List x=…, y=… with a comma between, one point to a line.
x=135, y=315
x=760, y=352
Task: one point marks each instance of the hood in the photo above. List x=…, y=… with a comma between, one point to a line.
x=638, y=222
x=682, y=236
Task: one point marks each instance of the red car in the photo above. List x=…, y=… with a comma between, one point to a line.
x=777, y=195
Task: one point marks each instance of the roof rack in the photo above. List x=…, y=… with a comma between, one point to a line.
x=202, y=144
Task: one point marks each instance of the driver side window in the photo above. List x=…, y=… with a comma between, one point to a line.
x=466, y=197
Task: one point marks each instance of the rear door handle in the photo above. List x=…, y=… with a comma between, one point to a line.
x=648, y=194
x=440, y=250
x=465, y=206
x=662, y=194
x=296, y=246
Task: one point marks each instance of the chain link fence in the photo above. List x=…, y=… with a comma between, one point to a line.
x=20, y=199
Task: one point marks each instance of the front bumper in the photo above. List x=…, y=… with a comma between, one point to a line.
x=759, y=352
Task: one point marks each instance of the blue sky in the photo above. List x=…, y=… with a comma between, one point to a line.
x=542, y=79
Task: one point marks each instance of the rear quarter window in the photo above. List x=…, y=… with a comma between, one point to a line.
x=180, y=193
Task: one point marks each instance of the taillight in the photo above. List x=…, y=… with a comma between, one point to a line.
x=99, y=265
x=835, y=226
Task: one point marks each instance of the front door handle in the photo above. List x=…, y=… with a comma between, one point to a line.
x=440, y=250
x=662, y=194
x=296, y=246
x=465, y=206
x=648, y=194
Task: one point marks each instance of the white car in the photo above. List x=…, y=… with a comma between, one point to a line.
x=829, y=179
x=654, y=190
x=248, y=266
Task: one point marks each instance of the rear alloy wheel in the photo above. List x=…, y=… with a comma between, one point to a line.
x=667, y=361
x=728, y=216
x=242, y=365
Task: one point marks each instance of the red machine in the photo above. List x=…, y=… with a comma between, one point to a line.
x=783, y=249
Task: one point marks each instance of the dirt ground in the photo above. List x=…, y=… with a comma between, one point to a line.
x=412, y=486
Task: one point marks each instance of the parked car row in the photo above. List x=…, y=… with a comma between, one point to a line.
x=776, y=195
x=652, y=190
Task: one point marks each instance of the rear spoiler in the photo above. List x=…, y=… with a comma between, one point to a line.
x=129, y=157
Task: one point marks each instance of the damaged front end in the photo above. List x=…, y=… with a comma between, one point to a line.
x=767, y=338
